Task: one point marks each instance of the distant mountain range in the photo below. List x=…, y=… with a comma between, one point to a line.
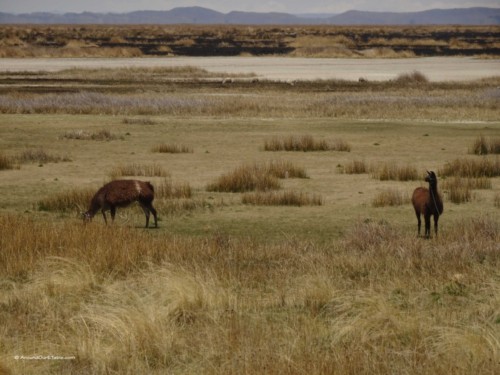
x=199, y=15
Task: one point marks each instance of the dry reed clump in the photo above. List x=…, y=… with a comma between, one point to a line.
x=171, y=148
x=7, y=162
x=39, y=155
x=245, y=178
x=355, y=167
x=146, y=170
x=132, y=302
x=390, y=197
x=485, y=167
x=392, y=171
x=460, y=189
x=484, y=146
x=101, y=135
x=496, y=200
x=76, y=199
x=255, y=176
x=167, y=189
x=282, y=198
x=304, y=143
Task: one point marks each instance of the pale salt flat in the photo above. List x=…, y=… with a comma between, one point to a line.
x=284, y=68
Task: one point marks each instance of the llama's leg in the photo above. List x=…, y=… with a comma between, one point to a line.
x=104, y=216
x=113, y=213
x=419, y=224
x=146, y=213
x=427, y=219
x=436, y=218
x=153, y=211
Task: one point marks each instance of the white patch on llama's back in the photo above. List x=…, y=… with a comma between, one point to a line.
x=137, y=186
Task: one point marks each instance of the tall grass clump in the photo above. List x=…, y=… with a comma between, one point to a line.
x=101, y=135
x=138, y=121
x=262, y=177
x=414, y=77
x=245, y=178
x=460, y=189
x=76, y=199
x=355, y=167
x=389, y=197
x=304, y=143
x=7, y=162
x=282, y=198
x=496, y=200
x=39, y=155
x=484, y=146
x=392, y=171
x=484, y=167
x=167, y=189
x=171, y=148
x=146, y=170
x=283, y=169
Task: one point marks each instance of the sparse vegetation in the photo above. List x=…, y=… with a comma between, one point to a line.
x=232, y=40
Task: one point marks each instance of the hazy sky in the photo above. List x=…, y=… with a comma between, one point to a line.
x=288, y=6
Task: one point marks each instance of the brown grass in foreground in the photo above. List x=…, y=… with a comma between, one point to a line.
x=133, y=301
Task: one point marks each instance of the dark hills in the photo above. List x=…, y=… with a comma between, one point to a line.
x=199, y=15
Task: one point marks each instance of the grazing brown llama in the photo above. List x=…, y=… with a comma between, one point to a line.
x=428, y=202
x=121, y=193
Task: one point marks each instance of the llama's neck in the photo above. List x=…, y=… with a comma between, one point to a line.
x=94, y=207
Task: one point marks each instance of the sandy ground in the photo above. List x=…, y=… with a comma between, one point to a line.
x=285, y=68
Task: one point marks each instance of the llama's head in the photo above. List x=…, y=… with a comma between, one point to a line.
x=431, y=178
x=87, y=216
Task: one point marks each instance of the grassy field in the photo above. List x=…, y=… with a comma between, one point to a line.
x=265, y=260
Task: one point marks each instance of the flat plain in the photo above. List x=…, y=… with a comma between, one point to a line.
x=338, y=283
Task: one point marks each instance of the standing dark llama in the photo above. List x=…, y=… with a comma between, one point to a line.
x=121, y=193
x=428, y=202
